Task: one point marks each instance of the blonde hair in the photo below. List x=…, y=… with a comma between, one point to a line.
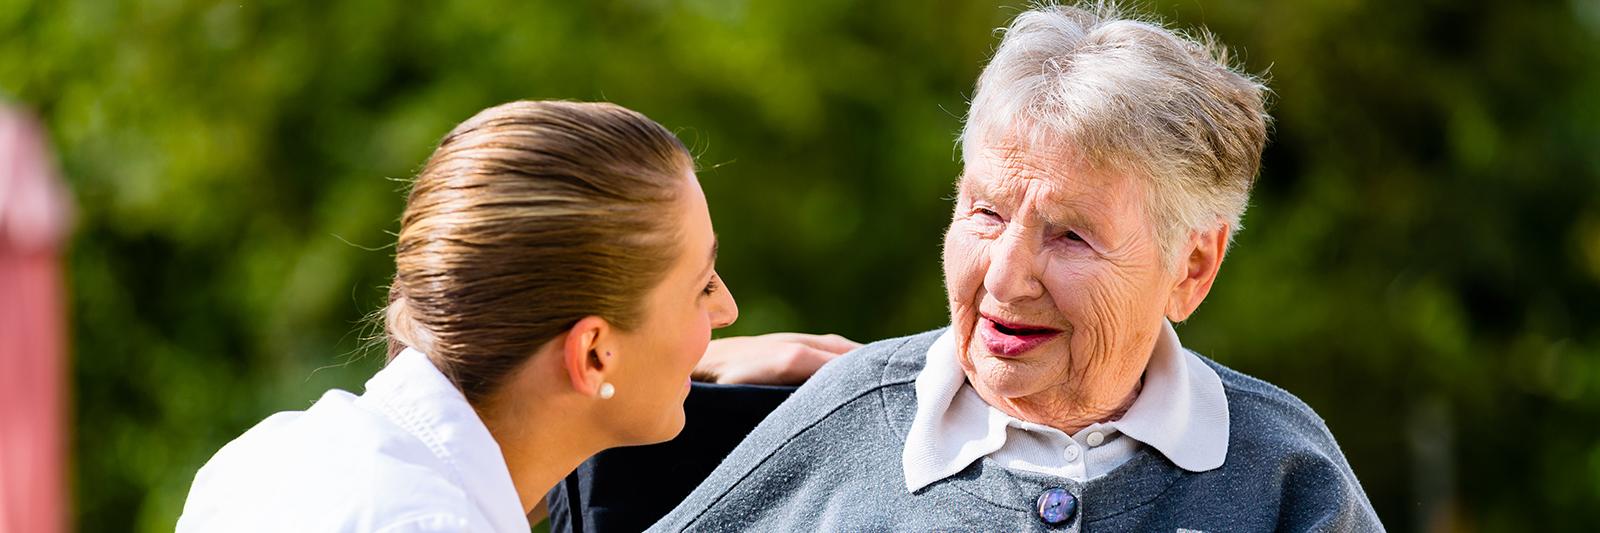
x=1128, y=96
x=527, y=218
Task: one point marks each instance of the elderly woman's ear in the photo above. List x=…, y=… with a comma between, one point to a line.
x=1195, y=270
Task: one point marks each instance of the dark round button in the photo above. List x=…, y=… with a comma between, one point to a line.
x=1056, y=506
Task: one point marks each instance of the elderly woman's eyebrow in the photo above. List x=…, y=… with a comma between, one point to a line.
x=1073, y=221
x=1057, y=215
x=986, y=190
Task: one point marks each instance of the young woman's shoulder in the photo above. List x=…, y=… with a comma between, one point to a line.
x=334, y=467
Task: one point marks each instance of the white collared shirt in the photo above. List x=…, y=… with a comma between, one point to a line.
x=1181, y=411
x=408, y=455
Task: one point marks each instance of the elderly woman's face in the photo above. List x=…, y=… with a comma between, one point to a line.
x=1056, y=281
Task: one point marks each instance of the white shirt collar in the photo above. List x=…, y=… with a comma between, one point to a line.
x=417, y=396
x=1181, y=411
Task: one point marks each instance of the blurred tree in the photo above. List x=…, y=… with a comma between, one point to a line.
x=1422, y=263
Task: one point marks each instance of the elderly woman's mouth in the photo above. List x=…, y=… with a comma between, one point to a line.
x=1008, y=339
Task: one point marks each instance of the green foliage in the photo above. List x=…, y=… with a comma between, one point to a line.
x=1421, y=266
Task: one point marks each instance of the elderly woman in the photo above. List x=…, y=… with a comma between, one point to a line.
x=1108, y=163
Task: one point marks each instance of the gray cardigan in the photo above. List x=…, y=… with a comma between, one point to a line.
x=829, y=460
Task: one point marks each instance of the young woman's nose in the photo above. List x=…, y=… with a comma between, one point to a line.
x=724, y=311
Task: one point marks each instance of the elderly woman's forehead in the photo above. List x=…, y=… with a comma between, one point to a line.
x=1011, y=152
x=1008, y=165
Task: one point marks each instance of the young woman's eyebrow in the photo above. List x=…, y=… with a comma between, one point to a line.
x=711, y=261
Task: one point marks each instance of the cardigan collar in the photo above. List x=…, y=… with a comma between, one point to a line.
x=1181, y=412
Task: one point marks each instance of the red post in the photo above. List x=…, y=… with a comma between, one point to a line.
x=34, y=222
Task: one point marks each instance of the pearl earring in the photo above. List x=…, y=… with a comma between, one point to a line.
x=607, y=391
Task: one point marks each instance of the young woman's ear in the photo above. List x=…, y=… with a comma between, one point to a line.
x=586, y=360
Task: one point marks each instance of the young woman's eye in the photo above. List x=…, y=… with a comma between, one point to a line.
x=711, y=287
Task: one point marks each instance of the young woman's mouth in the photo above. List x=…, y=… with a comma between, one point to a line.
x=1010, y=339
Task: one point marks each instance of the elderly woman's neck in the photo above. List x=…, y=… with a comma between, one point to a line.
x=1072, y=411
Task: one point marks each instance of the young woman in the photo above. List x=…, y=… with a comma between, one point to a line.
x=555, y=287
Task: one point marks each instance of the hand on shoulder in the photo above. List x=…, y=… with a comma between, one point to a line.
x=771, y=359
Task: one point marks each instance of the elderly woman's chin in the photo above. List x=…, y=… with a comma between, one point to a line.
x=1013, y=375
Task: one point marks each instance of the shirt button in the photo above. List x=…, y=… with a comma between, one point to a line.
x=1056, y=506
x=1096, y=438
x=1072, y=453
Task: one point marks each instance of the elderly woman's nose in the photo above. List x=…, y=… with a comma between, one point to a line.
x=1011, y=275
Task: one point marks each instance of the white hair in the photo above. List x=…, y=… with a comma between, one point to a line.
x=1128, y=96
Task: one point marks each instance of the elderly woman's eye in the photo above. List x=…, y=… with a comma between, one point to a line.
x=1073, y=236
x=986, y=213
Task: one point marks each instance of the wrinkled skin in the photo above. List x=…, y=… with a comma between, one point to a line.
x=1040, y=238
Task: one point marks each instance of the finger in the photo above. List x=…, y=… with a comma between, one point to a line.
x=805, y=363
x=707, y=370
x=830, y=343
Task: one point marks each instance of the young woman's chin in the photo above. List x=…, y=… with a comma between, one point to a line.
x=664, y=427
x=672, y=425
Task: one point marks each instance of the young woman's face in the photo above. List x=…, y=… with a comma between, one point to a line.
x=652, y=369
